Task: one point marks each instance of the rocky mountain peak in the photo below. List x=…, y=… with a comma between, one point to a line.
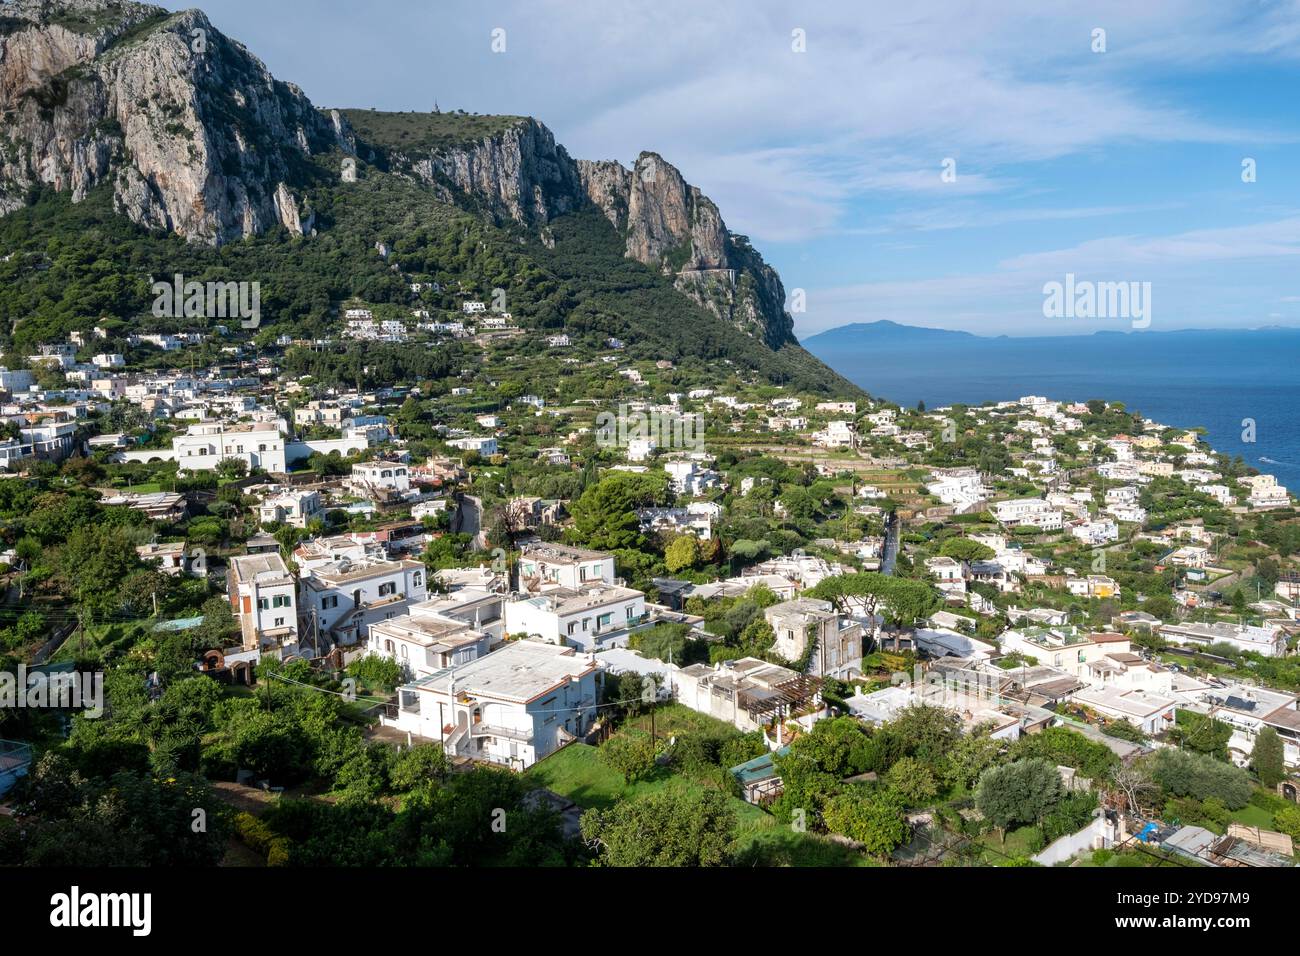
x=192, y=131
x=196, y=136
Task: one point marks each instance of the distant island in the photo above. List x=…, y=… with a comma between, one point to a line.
x=885, y=332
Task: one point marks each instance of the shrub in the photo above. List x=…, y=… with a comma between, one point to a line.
x=1070, y=815
x=1065, y=747
x=695, y=753
x=1287, y=820
x=632, y=754
x=377, y=671
x=261, y=839
x=1268, y=800
x=1186, y=774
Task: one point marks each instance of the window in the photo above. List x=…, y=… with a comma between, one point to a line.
x=387, y=589
x=281, y=600
x=279, y=622
x=331, y=601
x=416, y=578
x=263, y=604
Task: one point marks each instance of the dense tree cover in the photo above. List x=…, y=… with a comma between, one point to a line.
x=1267, y=758
x=668, y=827
x=480, y=817
x=669, y=642
x=1183, y=773
x=631, y=753
x=1061, y=746
x=903, y=601
x=605, y=517
x=1020, y=792
x=964, y=549
x=78, y=813
x=69, y=265
x=1203, y=734
x=872, y=817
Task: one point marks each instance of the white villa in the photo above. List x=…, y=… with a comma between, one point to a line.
x=511, y=707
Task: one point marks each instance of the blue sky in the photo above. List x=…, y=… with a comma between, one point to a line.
x=1122, y=165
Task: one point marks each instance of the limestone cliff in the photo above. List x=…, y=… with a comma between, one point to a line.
x=671, y=225
x=191, y=130
x=195, y=136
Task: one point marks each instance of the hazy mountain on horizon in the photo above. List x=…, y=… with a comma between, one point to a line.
x=886, y=332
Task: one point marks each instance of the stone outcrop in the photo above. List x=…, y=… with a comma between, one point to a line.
x=670, y=225
x=521, y=174
x=195, y=136
x=190, y=129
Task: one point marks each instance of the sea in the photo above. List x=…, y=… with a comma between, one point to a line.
x=1222, y=381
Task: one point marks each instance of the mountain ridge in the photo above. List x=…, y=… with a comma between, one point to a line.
x=886, y=330
x=194, y=136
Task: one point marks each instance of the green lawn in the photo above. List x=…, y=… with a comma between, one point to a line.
x=1017, y=845
x=1253, y=816
x=100, y=640
x=578, y=773
x=671, y=719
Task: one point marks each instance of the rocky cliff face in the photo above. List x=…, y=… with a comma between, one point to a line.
x=196, y=136
x=191, y=130
x=522, y=174
x=671, y=225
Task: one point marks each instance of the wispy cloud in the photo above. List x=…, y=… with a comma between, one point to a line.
x=1009, y=298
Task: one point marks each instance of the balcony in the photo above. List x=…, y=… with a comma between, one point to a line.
x=507, y=733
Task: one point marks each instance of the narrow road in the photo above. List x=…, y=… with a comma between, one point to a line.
x=469, y=519
x=889, y=555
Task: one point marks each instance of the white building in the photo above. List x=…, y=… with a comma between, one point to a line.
x=1150, y=713
x=204, y=446
x=1029, y=511
x=564, y=565
x=748, y=693
x=512, y=707
x=949, y=574
x=369, y=477
x=1266, y=641
x=836, y=640
x=963, y=490
x=342, y=599
x=263, y=597
x=425, y=641
x=688, y=478
x=1095, y=532
x=836, y=434
x=581, y=617
x=290, y=506
x=1247, y=709
x=485, y=445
